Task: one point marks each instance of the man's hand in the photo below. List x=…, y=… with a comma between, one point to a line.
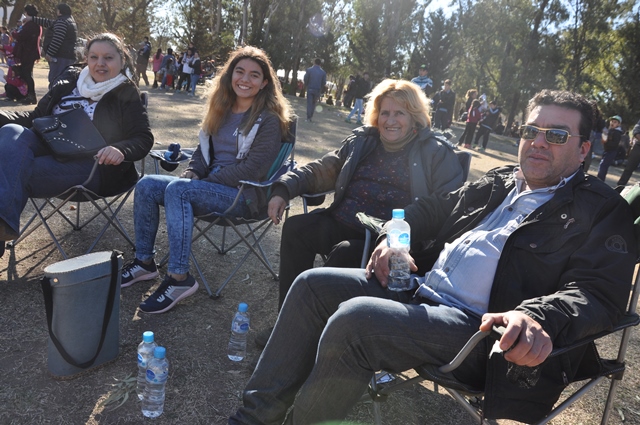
x=276, y=207
x=379, y=263
x=188, y=174
x=532, y=344
x=109, y=156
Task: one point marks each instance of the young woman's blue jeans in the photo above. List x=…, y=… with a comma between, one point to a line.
x=182, y=200
x=27, y=170
x=194, y=83
x=335, y=330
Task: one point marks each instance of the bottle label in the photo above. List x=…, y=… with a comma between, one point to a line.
x=398, y=239
x=157, y=378
x=142, y=361
x=240, y=327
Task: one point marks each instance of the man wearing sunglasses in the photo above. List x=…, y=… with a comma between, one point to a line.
x=539, y=248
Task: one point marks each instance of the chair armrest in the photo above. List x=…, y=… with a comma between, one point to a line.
x=373, y=224
x=627, y=320
x=266, y=183
x=316, y=195
x=313, y=199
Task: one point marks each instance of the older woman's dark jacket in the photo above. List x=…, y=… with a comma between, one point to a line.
x=433, y=167
x=119, y=116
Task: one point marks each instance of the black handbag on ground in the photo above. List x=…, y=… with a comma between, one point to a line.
x=70, y=135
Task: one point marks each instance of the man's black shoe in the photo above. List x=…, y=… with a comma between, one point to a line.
x=262, y=337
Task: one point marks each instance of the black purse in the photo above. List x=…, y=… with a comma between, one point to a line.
x=70, y=135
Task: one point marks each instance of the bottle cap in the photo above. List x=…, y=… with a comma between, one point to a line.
x=398, y=213
x=159, y=352
x=147, y=336
x=243, y=307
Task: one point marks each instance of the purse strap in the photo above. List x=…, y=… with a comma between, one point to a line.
x=47, y=291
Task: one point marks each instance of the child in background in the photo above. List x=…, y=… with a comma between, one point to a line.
x=15, y=88
x=169, y=71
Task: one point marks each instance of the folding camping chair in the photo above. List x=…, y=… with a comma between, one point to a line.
x=250, y=232
x=469, y=397
x=107, y=206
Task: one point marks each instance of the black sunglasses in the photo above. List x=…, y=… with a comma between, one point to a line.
x=555, y=136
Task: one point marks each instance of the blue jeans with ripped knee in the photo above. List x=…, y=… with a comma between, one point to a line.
x=183, y=199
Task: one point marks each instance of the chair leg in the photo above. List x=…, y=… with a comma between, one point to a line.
x=202, y=278
x=112, y=221
x=622, y=353
x=609, y=404
x=43, y=220
x=377, y=411
x=569, y=401
x=252, y=246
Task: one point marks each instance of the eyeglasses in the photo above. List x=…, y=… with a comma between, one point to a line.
x=555, y=136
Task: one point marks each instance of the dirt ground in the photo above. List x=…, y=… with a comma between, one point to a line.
x=204, y=387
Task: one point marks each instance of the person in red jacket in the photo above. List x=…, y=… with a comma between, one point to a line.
x=473, y=116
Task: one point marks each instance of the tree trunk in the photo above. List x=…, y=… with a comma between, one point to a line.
x=530, y=55
x=296, y=48
x=18, y=9
x=245, y=12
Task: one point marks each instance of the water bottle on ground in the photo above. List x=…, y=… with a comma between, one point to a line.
x=145, y=353
x=157, y=374
x=239, y=328
x=399, y=240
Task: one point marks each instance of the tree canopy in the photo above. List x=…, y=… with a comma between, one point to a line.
x=508, y=49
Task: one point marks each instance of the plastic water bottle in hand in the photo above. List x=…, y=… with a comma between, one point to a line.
x=239, y=328
x=145, y=353
x=399, y=240
x=157, y=374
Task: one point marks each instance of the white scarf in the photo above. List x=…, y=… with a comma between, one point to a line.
x=94, y=91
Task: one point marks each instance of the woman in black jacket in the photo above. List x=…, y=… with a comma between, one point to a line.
x=27, y=52
x=112, y=101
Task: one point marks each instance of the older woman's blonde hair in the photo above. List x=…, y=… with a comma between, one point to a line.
x=406, y=94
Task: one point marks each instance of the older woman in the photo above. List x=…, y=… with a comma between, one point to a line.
x=112, y=101
x=239, y=140
x=390, y=162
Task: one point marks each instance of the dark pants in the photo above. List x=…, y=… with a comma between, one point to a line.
x=26, y=74
x=484, y=133
x=442, y=120
x=184, y=77
x=305, y=235
x=313, y=96
x=141, y=71
x=335, y=330
x=633, y=160
x=467, y=136
x=607, y=159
